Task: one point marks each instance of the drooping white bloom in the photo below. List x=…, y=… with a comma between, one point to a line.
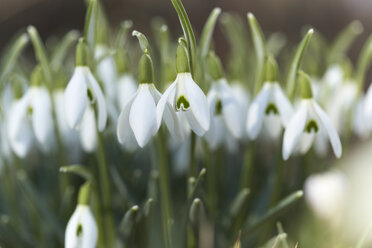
x=106, y=70
x=138, y=122
x=31, y=116
x=127, y=87
x=81, y=230
x=186, y=98
x=325, y=194
x=227, y=116
x=69, y=136
x=271, y=109
x=308, y=122
x=342, y=104
x=82, y=89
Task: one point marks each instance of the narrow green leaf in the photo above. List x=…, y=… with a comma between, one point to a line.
x=206, y=35
x=364, y=61
x=10, y=58
x=238, y=210
x=295, y=65
x=343, y=41
x=283, y=239
x=122, y=35
x=91, y=23
x=273, y=212
x=60, y=52
x=79, y=170
x=260, y=50
x=144, y=44
x=40, y=53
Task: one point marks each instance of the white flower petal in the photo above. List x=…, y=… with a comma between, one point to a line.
x=331, y=131
x=294, y=130
x=101, y=103
x=231, y=110
x=88, y=131
x=76, y=97
x=198, y=115
x=124, y=131
x=273, y=126
x=127, y=87
x=256, y=112
x=87, y=236
x=306, y=142
x=283, y=104
x=42, y=118
x=163, y=102
x=368, y=108
x=142, y=116
x=19, y=130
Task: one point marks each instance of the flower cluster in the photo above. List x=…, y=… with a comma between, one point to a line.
x=209, y=107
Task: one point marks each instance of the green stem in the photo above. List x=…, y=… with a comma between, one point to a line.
x=193, y=167
x=108, y=221
x=245, y=181
x=164, y=190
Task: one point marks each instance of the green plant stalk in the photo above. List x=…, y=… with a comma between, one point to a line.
x=188, y=32
x=164, y=189
x=211, y=183
x=108, y=221
x=295, y=64
x=247, y=168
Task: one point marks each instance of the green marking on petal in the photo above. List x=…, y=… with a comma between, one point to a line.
x=271, y=109
x=218, y=109
x=182, y=104
x=90, y=96
x=311, y=126
x=79, y=230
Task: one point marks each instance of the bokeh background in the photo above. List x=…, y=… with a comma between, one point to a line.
x=288, y=16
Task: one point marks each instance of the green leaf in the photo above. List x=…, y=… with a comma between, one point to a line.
x=295, y=65
x=144, y=44
x=343, y=41
x=188, y=32
x=272, y=213
x=197, y=183
x=91, y=23
x=60, y=52
x=79, y=170
x=364, y=61
x=40, y=53
x=260, y=50
x=10, y=58
x=206, y=35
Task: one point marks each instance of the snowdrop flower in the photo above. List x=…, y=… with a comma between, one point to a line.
x=227, y=123
x=81, y=230
x=360, y=124
x=106, y=70
x=82, y=89
x=307, y=123
x=31, y=116
x=341, y=105
x=185, y=97
x=127, y=87
x=270, y=108
x=137, y=121
x=325, y=194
